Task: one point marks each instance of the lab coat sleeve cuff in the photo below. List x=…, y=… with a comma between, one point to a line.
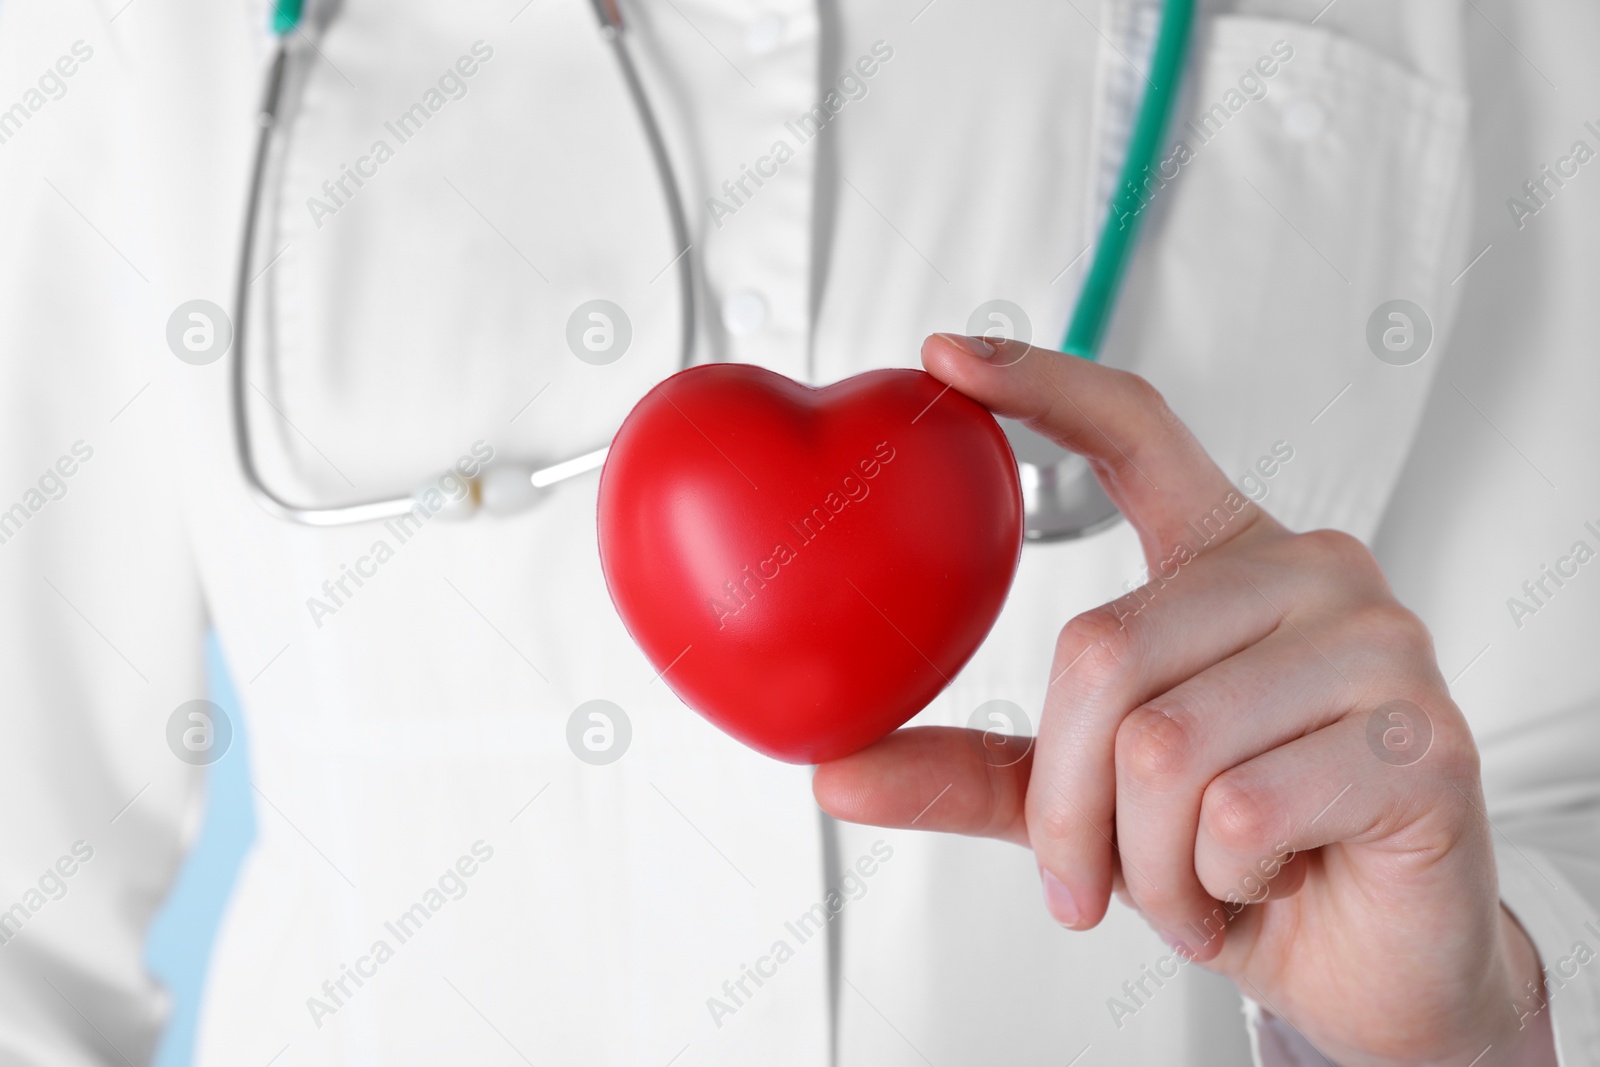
x=1566, y=932
x=1563, y=928
x=1274, y=1043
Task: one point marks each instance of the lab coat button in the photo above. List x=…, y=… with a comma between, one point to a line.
x=744, y=312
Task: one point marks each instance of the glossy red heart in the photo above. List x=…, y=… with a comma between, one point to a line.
x=808, y=567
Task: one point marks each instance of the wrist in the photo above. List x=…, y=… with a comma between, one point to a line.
x=1527, y=1038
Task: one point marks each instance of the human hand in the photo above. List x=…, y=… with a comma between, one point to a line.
x=1223, y=748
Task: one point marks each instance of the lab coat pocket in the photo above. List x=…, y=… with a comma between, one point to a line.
x=1307, y=199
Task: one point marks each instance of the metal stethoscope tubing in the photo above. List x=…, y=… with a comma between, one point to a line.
x=1061, y=498
x=502, y=488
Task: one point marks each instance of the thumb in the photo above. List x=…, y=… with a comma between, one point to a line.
x=1144, y=457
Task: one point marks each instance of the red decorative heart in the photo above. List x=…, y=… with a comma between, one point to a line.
x=808, y=568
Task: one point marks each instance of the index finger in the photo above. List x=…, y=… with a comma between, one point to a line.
x=1149, y=463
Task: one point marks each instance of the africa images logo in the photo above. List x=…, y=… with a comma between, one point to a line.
x=452, y=85
x=742, y=589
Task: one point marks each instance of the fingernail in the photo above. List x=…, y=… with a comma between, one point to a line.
x=972, y=346
x=1058, y=898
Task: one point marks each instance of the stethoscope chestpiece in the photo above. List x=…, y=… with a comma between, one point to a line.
x=1061, y=498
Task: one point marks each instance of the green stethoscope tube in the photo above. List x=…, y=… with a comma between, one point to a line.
x=286, y=16
x=1097, y=300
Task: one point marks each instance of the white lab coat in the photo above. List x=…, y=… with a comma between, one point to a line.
x=427, y=715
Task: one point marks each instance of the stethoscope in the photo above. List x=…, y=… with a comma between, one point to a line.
x=1061, y=498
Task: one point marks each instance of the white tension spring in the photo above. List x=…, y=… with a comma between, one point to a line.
x=504, y=488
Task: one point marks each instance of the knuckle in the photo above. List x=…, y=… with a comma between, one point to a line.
x=1159, y=901
x=1143, y=393
x=1149, y=404
x=1144, y=397
x=1237, y=816
x=1456, y=758
x=1340, y=552
x=1154, y=743
x=1054, y=823
x=1390, y=627
x=1096, y=646
x=998, y=804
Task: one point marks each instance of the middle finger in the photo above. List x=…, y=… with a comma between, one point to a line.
x=1108, y=662
x=1169, y=750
